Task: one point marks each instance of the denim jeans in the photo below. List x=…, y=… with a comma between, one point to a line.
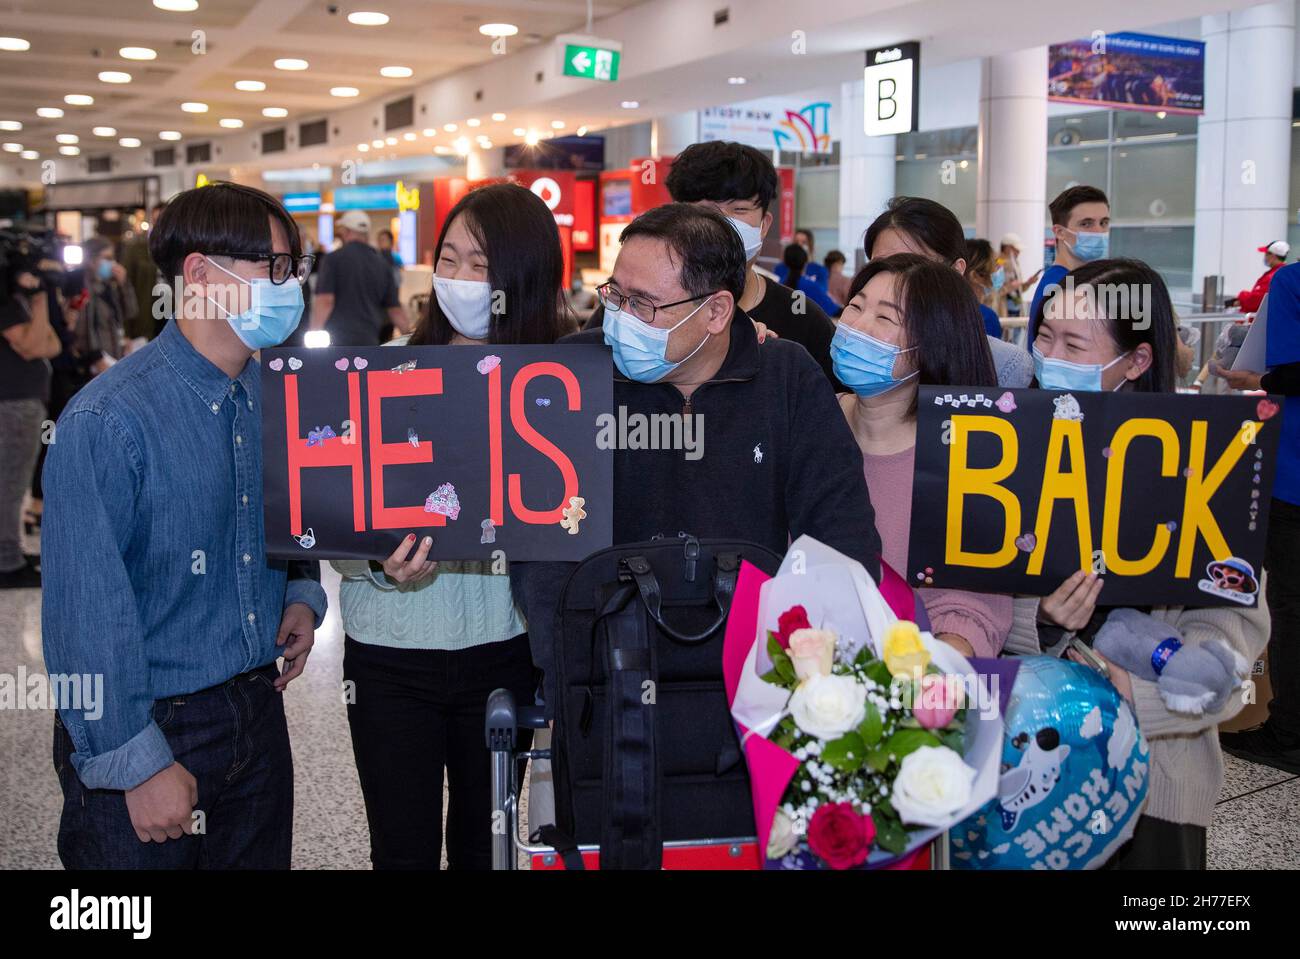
x=233, y=740
x=416, y=711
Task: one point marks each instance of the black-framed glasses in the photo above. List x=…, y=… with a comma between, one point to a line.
x=283, y=265
x=613, y=298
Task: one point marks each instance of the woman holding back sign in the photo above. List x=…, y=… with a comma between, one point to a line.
x=1095, y=338
x=427, y=642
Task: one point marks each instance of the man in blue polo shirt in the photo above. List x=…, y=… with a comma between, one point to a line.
x=1276, y=742
x=1081, y=225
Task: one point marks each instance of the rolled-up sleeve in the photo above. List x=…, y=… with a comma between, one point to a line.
x=90, y=623
x=302, y=585
x=982, y=619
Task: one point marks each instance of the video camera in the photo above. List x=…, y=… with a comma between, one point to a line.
x=22, y=251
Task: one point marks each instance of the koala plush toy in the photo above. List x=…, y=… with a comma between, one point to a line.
x=1191, y=679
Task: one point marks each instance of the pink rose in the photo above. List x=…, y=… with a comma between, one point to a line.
x=796, y=617
x=937, y=701
x=840, y=836
x=812, y=651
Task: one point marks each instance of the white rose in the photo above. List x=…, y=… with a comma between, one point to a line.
x=933, y=783
x=829, y=706
x=812, y=651
x=782, y=838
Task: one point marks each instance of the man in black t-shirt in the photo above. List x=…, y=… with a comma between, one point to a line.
x=740, y=183
x=356, y=290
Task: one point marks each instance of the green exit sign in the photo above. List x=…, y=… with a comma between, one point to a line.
x=590, y=63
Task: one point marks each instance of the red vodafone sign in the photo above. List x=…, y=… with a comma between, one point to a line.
x=555, y=188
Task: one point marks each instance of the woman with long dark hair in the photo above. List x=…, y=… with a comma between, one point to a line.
x=910, y=322
x=795, y=259
x=427, y=642
x=1112, y=329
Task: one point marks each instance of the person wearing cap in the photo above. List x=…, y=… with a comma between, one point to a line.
x=356, y=291
x=1010, y=248
x=1275, y=255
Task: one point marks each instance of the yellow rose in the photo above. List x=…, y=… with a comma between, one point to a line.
x=904, y=654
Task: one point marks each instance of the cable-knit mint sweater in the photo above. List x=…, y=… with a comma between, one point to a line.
x=463, y=604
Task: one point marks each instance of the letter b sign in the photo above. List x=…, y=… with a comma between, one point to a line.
x=889, y=89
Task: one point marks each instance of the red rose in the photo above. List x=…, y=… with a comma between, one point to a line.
x=840, y=836
x=796, y=617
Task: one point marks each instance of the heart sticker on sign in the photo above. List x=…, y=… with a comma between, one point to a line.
x=276, y=364
x=341, y=363
x=360, y=362
x=295, y=363
x=1026, y=542
x=1266, y=409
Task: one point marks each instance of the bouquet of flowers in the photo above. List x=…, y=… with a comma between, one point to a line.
x=865, y=736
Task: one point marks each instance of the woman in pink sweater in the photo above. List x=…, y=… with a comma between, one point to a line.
x=910, y=321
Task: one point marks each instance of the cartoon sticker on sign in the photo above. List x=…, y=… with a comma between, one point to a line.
x=427, y=435
x=1149, y=490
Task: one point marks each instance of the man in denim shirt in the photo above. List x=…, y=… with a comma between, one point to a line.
x=154, y=566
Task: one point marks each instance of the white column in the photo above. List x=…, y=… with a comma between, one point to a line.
x=1243, y=149
x=1010, y=196
x=670, y=135
x=867, y=167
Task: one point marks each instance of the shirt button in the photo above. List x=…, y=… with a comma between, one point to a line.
x=232, y=387
x=215, y=407
x=252, y=617
x=245, y=499
x=247, y=558
x=250, y=404
x=238, y=439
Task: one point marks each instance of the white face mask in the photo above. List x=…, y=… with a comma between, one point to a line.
x=467, y=305
x=751, y=236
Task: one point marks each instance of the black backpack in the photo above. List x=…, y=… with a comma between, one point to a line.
x=644, y=750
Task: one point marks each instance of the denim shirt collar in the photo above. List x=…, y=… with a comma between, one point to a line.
x=208, y=382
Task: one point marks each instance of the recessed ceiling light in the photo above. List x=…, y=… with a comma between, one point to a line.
x=344, y=92
x=442, y=148
x=10, y=125
x=498, y=117
x=250, y=86
x=290, y=63
x=429, y=132
x=531, y=138
x=14, y=44
x=409, y=136
x=70, y=151
x=473, y=122
x=736, y=81
x=485, y=144
x=450, y=127
x=231, y=123
x=462, y=145
x=377, y=143
x=114, y=76
x=67, y=138
x=582, y=131
x=137, y=53
x=30, y=155
x=557, y=124
x=396, y=73
x=49, y=113
x=13, y=148
x=363, y=18
x=390, y=141
x=363, y=147
x=630, y=104
x=518, y=131
x=104, y=131
x=194, y=106
x=129, y=142
x=498, y=29
x=176, y=6
x=169, y=134
x=79, y=100
x=275, y=113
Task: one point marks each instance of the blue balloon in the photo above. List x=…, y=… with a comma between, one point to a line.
x=1074, y=775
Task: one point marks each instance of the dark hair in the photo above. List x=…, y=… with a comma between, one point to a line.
x=720, y=171
x=1064, y=205
x=702, y=242
x=93, y=247
x=930, y=224
x=385, y=232
x=941, y=318
x=217, y=219
x=795, y=259
x=833, y=257
x=980, y=257
x=517, y=233
x=1159, y=329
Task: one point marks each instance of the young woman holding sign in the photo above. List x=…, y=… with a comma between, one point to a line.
x=1080, y=348
x=427, y=642
x=909, y=321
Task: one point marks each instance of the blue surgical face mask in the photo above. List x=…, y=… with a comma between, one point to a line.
x=865, y=364
x=998, y=278
x=275, y=312
x=105, y=269
x=1090, y=246
x=641, y=350
x=1054, y=374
